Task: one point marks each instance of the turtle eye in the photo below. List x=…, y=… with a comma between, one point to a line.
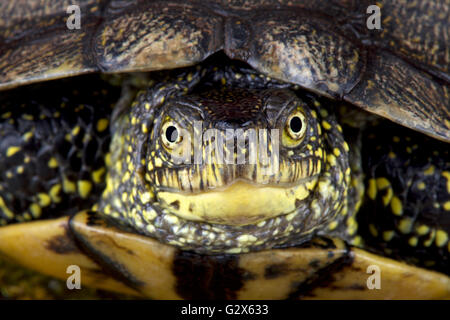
x=170, y=134
x=296, y=126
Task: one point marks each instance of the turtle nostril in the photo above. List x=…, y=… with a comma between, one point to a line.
x=295, y=124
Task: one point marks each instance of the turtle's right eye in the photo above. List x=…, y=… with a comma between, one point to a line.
x=170, y=134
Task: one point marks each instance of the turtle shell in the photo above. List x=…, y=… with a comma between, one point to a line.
x=400, y=71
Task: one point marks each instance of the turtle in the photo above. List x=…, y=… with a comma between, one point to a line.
x=228, y=149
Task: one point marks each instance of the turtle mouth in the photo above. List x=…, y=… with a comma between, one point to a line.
x=238, y=204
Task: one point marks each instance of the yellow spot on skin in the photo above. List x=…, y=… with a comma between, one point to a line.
x=5, y=209
x=107, y=209
x=405, y=225
x=446, y=175
x=396, y=139
x=429, y=171
x=447, y=206
x=98, y=174
x=357, y=241
x=331, y=159
x=352, y=226
x=158, y=162
x=6, y=115
x=12, y=151
x=333, y=225
x=150, y=228
x=246, y=238
x=84, y=188
x=76, y=130
x=108, y=159
x=346, y=148
x=36, y=211
x=391, y=155
x=336, y=152
x=422, y=230
x=44, y=199
x=19, y=169
x=388, y=235
x=441, y=238
x=68, y=186
x=54, y=193
x=421, y=185
x=413, y=241
x=382, y=183
x=27, y=136
x=102, y=124
x=387, y=197
x=326, y=125
x=372, y=189
x=53, y=163
x=430, y=239
x=126, y=177
x=396, y=206
x=146, y=197
x=373, y=230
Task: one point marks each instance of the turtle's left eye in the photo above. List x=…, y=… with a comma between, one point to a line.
x=296, y=126
x=170, y=134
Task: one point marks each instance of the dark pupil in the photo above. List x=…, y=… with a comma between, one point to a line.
x=296, y=124
x=171, y=134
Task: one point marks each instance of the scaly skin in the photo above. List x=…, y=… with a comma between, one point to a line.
x=213, y=207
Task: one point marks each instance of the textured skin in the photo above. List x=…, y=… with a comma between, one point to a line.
x=51, y=148
x=144, y=171
x=408, y=179
x=324, y=46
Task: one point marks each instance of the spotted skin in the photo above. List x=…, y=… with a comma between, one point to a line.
x=53, y=143
x=407, y=210
x=143, y=169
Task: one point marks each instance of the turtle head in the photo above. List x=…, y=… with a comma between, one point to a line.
x=235, y=156
x=226, y=168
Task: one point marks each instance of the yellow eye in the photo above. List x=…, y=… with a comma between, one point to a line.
x=295, y=129
x=296, y=126
x=171, y=134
